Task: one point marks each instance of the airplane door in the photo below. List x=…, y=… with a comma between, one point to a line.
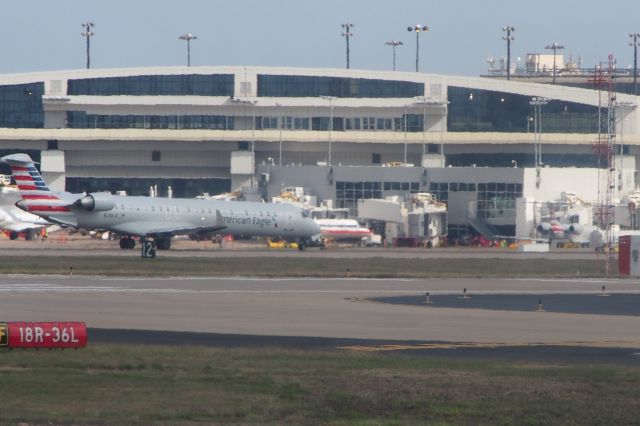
x=289, y=226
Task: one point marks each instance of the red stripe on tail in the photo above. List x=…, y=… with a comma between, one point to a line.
x=40, y=197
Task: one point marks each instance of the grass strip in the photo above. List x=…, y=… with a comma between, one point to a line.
x=375, y=267
x=129, y=384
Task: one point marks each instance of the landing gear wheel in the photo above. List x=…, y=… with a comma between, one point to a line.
x=127, y=243
x=163, y=243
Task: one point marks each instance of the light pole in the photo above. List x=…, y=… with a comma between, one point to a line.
x=188, y=37
x=509, y=38
x=418, y=29
x=536, y=103
x=346, y=34
x=635, y=42
x=253, y=139
x=404, y=118
x=88, y=33
x=394, y=44
x=555, y=47
x=330, y=99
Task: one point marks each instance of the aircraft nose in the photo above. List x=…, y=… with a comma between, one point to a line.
x=315, y=227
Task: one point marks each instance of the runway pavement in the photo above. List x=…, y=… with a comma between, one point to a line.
x=330, y=308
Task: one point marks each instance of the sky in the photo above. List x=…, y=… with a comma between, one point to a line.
x=45, y=35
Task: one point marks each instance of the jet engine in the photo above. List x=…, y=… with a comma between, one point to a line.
x=576, y=228
x=99, y=202
x=544, y=227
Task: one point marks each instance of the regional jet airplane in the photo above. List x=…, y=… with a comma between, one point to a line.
x=156, y=218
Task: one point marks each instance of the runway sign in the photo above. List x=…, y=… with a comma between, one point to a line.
x=43, y=335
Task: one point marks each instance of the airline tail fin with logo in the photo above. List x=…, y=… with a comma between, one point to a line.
x=28, y=178
x=36, y=195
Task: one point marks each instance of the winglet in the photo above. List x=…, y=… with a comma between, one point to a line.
x=220, y=220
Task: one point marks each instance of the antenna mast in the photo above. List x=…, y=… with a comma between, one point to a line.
x=605, y=148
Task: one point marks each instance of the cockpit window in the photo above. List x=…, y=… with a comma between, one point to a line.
x=304, y=213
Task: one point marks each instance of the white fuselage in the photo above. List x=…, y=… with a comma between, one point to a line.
x=146, y=216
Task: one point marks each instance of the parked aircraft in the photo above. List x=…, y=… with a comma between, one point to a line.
x=155, y=217
x=16, y=221
x=341, y=229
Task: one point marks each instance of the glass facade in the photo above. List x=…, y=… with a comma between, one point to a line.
x=21, y=106
x=473, y=110
x=480, y=159
x=181, y=188
x=620, y=87
x=348, y=193
x=82, y=120
x=158, y=85
x=341, y=87
x=488, y=194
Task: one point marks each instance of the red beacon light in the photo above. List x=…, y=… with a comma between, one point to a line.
x=47, y=335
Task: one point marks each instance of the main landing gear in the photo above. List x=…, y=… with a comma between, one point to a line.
x=163, y=243
x=127, y=243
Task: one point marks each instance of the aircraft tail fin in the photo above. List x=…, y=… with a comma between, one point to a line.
x=28, y=178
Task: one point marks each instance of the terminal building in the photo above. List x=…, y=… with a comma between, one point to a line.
x=349, y=134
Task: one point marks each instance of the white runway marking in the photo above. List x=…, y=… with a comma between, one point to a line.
x=576, y=280
x=53, y=288
x=257, y=279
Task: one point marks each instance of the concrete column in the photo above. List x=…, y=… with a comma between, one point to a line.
x=52, y=168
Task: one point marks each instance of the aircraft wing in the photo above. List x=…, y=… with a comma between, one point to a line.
x=163, y=228
x=150, y=229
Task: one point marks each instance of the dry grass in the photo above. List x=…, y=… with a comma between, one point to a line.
x=118, y=384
